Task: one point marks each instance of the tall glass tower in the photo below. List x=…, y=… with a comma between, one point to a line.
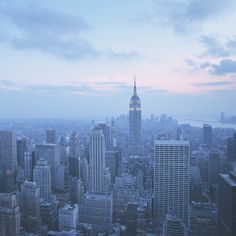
x=171, y=179
x=99, y=175
x=135, y=123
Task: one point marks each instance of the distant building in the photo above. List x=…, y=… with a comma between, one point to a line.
x=30, y=198
x=51, y=136
x=135, y=123
x=106, y=130
x=214, y=166
x=42, y=176
x=74, y=156
x=76, y=190
x=49, y=214
x=51, y=153
x=68, y=217
x=171, y=179
x=231, y=148
x=99, y=181
x=9, y=215
x=22, y=147
x=28, y=166
x=207, y=135
x=8, y=157
x=63, y=153
x=97, y=210
x=114, y=163
x=173, y=226
x=227, y=204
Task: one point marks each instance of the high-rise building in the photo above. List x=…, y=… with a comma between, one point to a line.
x=68, y=217
x=171, y=179
x=214, y=166
x=51, y=153
x=49, y=214
x=84, y=171
x=30, y=199
x=135, y=123
x=74, y=156
x=76, y=190
x=9, y=215
x=42, y=176
x=22, y=147
x=227, y=204
x=51, y=136
x=8, y=157
x=114, y=163
x=99, y=178
x=231, y=148
x=97, y=210
x=173, y=226
x=207, y=135
x=28, y=166
x=106, y=130
x=63, y=145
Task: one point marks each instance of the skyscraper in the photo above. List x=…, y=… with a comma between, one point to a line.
x=42, y=176
x=28, y=166
x=51, y=136
x=135, y=123
x=214, y=166
x=207, y=135
x=74, y=156
x=106, y=130
x=22, y=146
x=8, y=157
x=227, y=204
x=231, y=148
x=97, y=180
x=30, y=198
x=51, y=153
x=114, y=163
x=9, y=215
x=171, y=179
x=97, y=207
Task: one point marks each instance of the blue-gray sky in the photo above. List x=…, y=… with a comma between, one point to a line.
x=78, y=58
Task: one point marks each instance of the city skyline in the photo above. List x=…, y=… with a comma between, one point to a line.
x=86, y=55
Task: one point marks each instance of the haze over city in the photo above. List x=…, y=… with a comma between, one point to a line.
x=117, y=118
x=72, y=59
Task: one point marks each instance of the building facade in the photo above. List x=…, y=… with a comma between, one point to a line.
x=227, y=204
x=135, y=124
x=171, y=179
x=42, y=176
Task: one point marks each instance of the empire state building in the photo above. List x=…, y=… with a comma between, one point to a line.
x=135, y=123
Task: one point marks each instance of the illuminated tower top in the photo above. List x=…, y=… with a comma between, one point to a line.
x=135, y=103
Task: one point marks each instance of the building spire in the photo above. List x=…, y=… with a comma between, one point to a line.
x=135, y=89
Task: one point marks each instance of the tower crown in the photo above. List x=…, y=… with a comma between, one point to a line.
x=135, y=103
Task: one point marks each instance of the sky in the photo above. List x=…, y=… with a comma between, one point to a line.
x=78, y=59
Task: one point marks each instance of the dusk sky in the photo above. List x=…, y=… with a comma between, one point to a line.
x=71, y=58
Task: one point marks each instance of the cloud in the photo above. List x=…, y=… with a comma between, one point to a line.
x=32, y=27
x=226, y=66
x=123, y=55
x=47, y=30
x=197, y=66
x=187, y=15
x=213, y=84
x=8, y=85
x=214, y=47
